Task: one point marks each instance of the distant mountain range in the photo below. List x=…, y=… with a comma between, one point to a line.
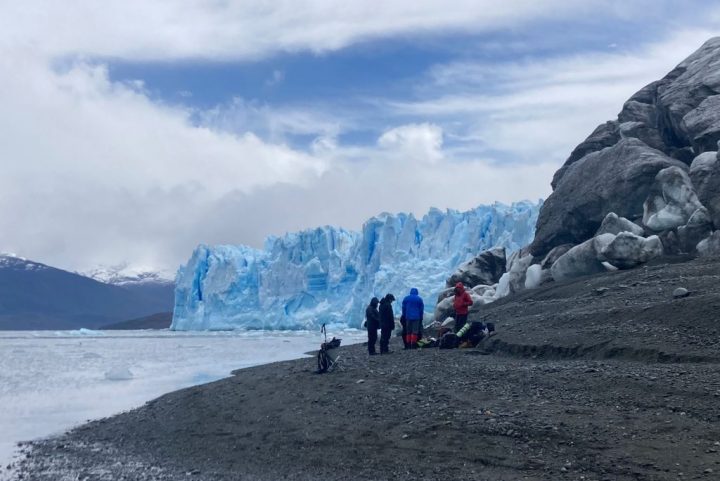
x=161, y=320
x=38, y=296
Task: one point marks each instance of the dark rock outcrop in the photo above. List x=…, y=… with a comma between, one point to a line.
x=582, y=260
x=628, y=250
x=710, y=246
x=668, y=122
x=486, y=268
x=615, y=179
x=672, y=202
x=554, y=255
x=612, y=224
x=705, y=176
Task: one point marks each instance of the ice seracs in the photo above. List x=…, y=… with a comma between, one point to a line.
x=328, y=274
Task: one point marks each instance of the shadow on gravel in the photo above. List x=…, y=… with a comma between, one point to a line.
x=601, y=351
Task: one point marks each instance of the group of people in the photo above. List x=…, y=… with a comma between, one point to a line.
x=379, y=316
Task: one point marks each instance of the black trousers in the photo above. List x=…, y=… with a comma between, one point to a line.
x=403, y=323
x=384, y=340
x=460, y=320
x=372, y=339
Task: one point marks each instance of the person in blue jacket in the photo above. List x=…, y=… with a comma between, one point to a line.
x=413, y=309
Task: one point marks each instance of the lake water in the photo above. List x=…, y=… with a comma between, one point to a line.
x=52, y=381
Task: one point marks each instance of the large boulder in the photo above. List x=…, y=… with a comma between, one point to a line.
x=705, y=176
x=628, y=250
x=445, y=293
x=710, y=246
x=616, y=179
x=444, y=309
x=677, y=115
x=486, y=268
x=612, y=224
x=681, y=95
x=701, y=166
x=603, y=136
x=554, y=255
x=672, y=201
x=582, y=260
x=485, y=291
x=702, y=124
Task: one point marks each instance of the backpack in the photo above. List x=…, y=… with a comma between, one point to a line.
x=427, y=342
x=448, y=341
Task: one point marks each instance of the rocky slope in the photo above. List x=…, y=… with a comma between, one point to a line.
x=670, y=122
x=641, y=187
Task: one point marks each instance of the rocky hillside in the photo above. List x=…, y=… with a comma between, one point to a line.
x=641, y=187
x=673, y=122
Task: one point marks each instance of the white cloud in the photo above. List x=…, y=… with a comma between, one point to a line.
x=164, y=29
x=542, y=108
x=420, y=143
x=97, y=172
x=91, y=166
x=273, y=123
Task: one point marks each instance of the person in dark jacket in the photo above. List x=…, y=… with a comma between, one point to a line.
x=387, y=322
x=372, y=323
x=461, y=303
x=413, y=310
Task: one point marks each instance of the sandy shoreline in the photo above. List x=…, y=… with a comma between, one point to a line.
x=608, y=377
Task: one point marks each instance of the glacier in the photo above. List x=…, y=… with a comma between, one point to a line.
x=328, y=275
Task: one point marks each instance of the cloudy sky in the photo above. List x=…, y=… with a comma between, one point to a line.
x=134, y=130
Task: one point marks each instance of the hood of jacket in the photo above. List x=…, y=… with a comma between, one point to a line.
x=459, y=288
x=413, y=291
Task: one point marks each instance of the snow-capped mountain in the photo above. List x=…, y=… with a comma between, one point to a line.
x=123, y=274
x=37, y=296
x=15, y=262
x=328, y=274
x=157, y=285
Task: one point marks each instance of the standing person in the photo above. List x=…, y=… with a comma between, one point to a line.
x=372, y=323
x=461, y=303
x=387, y=322
x=413, y=309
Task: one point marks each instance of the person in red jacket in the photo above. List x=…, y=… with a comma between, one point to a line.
x=461, y=303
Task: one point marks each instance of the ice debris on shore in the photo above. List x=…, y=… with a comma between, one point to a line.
x=328, y=274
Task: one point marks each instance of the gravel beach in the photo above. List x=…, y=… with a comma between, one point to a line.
x=609, y=377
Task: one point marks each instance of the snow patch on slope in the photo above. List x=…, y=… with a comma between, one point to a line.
x=124, y=274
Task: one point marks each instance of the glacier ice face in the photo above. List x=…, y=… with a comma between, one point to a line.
x=328, y=275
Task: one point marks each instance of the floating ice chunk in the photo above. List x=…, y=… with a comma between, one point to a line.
x=85, y=332
x=119, y=373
